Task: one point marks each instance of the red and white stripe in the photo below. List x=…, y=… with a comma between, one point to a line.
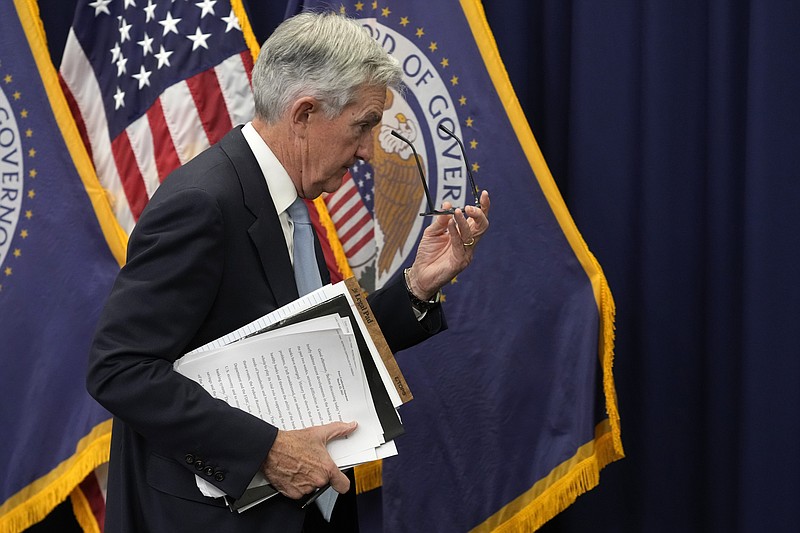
x=187, y=118
x=353, y=222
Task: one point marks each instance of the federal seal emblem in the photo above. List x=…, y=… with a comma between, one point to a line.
x=377, y=210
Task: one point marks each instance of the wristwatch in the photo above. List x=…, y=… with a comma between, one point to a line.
x=418, y=303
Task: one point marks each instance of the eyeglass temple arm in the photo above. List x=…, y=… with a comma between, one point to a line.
x=419, y=167
x=475, y=192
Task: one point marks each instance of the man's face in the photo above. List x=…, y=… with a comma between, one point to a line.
x=333, y=145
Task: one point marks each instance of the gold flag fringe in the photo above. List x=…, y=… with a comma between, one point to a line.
x=607, y=316
x=83, y=511
x=333, y=238
x=31, y=504
x=247, y=29
x=554, y=493
x=369, y=476
x=560, y=496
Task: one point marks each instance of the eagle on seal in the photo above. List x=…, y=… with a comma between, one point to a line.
x=398, y=192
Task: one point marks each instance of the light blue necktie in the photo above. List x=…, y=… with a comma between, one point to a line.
x=306, y=271
x=306, y=275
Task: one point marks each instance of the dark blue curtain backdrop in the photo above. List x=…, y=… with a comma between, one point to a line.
x=673, y=131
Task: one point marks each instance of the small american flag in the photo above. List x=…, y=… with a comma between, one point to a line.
x=151, y=84
x=351, y=208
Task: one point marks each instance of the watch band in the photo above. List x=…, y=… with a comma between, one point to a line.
x=418, y=303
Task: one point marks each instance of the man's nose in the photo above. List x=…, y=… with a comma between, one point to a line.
x=365, y=149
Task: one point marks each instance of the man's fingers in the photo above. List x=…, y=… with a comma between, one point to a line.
x=439, y=225
x=329, y=432
x=485, y=202
x=478, y=221
x=336, y=430
x=340, y=482
x=299, y=462
x=464, y=228
x=454, y=231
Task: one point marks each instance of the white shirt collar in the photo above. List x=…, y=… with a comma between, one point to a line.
x=281, y=187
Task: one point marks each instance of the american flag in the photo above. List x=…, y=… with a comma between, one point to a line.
x=151, y=84
x=351, y=208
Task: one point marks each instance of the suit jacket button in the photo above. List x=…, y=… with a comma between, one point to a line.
x=199, y=464
x=209, y=471
x=189, y=458
x=219, y=476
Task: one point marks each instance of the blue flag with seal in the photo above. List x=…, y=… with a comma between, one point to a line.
x=514, y=410
x=60, y=250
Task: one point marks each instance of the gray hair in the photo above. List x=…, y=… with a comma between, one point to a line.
x=323, y=55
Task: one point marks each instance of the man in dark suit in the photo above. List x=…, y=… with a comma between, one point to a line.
x=213, y=251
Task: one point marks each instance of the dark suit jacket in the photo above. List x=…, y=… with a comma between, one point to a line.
x=206, y=257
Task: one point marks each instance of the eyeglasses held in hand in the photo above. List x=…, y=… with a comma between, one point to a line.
x=431, y=210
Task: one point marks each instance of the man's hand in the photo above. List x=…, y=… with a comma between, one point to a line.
x=299, y=462
x=447, y=247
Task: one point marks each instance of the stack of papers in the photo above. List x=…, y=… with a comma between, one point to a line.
x=318, y=360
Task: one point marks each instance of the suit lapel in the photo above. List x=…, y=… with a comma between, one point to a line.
x=265, y=232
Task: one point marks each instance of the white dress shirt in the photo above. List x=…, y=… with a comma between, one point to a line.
x=281, y=187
